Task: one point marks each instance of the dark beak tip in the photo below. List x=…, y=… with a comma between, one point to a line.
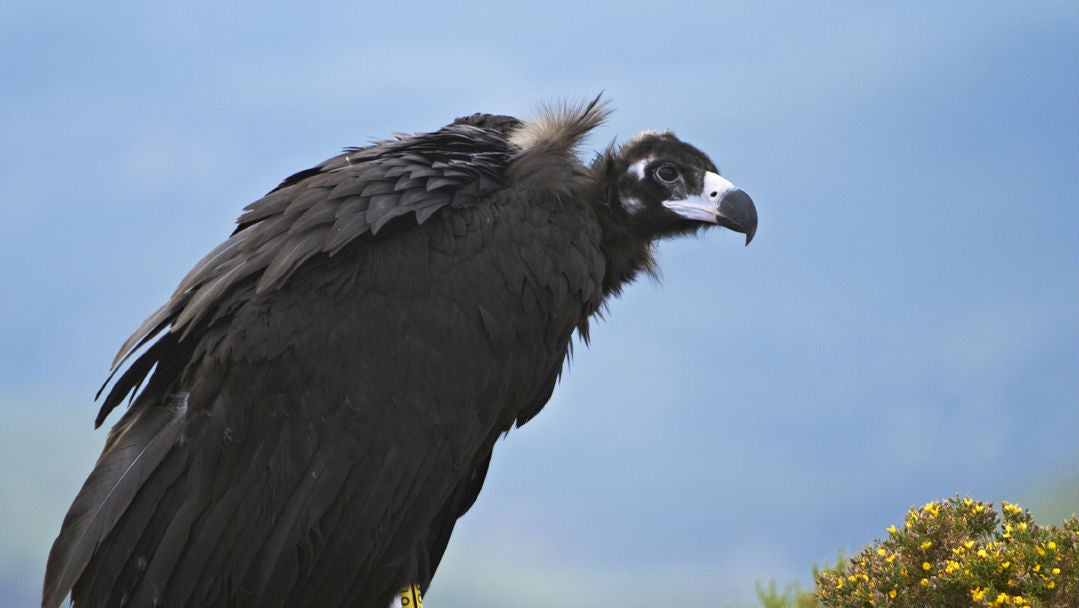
x=740, y=213
x=751, y=228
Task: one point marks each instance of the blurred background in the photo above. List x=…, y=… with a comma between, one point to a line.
x=903, y=328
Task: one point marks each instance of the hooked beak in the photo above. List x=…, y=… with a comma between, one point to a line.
x=721, y=203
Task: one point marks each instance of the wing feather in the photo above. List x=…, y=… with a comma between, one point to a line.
x=321, y=213
x=289, y=256
x=135, y=451
x=413, y=176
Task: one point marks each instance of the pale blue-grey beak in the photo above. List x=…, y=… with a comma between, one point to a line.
x=721, y=203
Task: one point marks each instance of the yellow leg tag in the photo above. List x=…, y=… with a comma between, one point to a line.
x=410, y=597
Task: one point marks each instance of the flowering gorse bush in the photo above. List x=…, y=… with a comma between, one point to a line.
x=962, y=553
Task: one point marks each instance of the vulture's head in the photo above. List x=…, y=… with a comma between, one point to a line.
x=661, y=186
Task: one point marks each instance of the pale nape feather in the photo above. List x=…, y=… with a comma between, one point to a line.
x=561, y=125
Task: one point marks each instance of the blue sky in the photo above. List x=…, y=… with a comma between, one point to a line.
x=903, y=328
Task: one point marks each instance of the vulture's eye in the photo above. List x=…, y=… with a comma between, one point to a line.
x=667, y=174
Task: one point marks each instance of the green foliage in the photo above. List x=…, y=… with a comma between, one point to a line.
x=792, y=596
x=961, y=553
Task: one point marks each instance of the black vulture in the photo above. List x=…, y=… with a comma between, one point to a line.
x=316, y=404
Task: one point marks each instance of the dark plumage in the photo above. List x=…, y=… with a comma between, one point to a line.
x=327, y=385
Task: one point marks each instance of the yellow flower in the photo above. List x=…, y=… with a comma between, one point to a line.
x=924, y=582
x=926, y=566
x=951, y=566
x=1051, y=584
x=1052, y=546
x=891, y=594
x=977, y=594
x=890, y=558
x=1037, y=567
x=926, y=545
x=1010, y=508
x=891, y=529
x=1040, y=550
x=1001, y=599
x=881, y=552
x=1056, y=570
x=969, y=544
x=839, y=585
x=1005, y=565
x=982, y=553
